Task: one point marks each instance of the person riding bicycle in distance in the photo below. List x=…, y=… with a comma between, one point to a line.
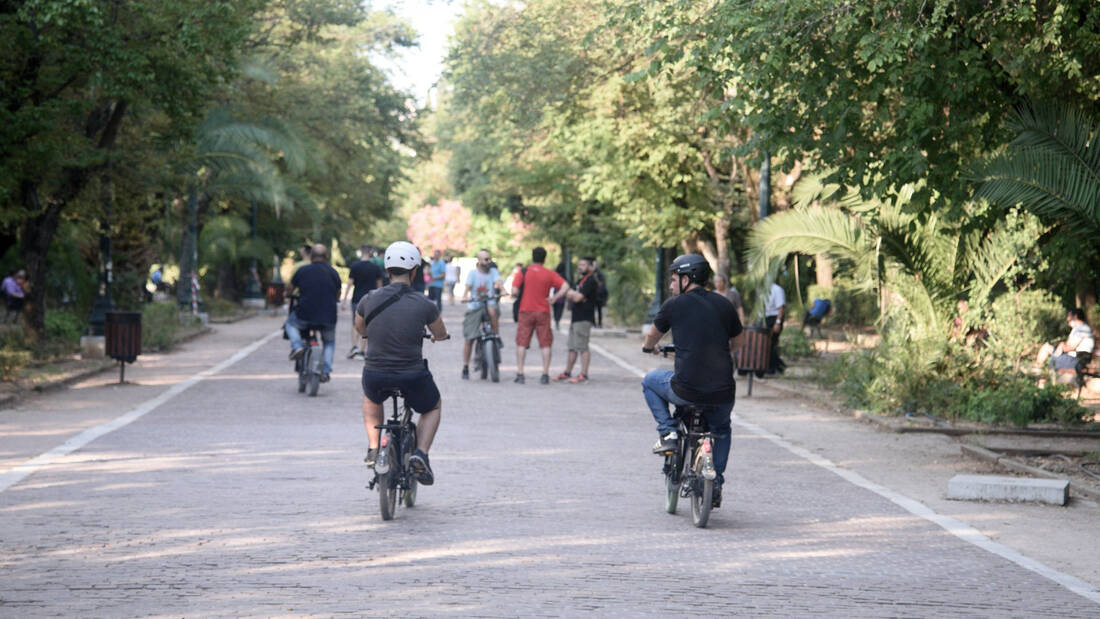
x=392, y=319
x=705, y=328
x=483, y=281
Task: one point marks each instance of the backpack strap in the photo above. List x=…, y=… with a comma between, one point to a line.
x=388, y=302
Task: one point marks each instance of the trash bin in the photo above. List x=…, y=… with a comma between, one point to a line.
x=122, y=337
x=755, y=354
x=275, y=291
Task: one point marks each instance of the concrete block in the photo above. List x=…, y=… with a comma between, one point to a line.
x=93, y=347
x=999, y=488
x=257, y=303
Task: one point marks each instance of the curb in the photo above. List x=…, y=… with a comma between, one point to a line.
x=9, y=400
x=981, y=453
x=889, y=425
x=225, y=320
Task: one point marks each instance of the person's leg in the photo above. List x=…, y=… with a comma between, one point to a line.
x=718, y=422
x=546, y=361
x=521, y=354
x=570, y=360
x=328, y=347
x=546, y=340
x=657, y=389
x=586, y=357
x=467, y=350
x=372, y=416
x=494, y=319
x=294, y=333
x=524, y=329
x=426, y=426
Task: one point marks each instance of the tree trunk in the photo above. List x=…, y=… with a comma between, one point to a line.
x=722, y=244
x=824, y=268
x=40, y=227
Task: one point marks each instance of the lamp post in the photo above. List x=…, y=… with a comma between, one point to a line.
x=253, y=297
x=187, y=291
x=103, y=302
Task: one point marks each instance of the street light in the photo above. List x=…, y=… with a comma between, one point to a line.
x=103, y=302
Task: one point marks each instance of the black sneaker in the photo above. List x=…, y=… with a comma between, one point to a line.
x=519, y=379
x=545, y=379
x=296, y=354
x=465, y=372
x=372, y=456
x=418, y=462
x=716, y=497
x=666, y=443
x=325, y=377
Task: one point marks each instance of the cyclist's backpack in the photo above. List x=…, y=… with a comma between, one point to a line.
x=515, y=305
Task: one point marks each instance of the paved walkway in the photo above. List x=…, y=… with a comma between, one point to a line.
x=239, y=496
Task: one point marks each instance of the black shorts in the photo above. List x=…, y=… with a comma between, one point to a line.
x=419, y=388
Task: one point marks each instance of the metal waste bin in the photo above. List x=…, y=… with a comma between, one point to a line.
x=755, y=354
x=122, y=337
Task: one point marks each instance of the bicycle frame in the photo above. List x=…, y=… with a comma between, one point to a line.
x=400, y=432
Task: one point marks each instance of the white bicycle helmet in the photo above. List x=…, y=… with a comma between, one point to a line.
x=402, y=255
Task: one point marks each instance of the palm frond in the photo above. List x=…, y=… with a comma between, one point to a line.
x=810, y=231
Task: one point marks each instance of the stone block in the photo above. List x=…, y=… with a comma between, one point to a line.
x=93, y=347
x=1001, y=488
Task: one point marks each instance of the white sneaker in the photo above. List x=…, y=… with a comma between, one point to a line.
x=666, y=443
x=354, y=351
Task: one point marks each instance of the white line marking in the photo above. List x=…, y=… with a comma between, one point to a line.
x=20, y=472
x=955, y=527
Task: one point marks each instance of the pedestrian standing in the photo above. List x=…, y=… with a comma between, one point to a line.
x=601, y=294
x=437, y=274
x=559, y=307
x=775, y=311
x=450, y=280
x=364, y=275
x=722, y=286
x=14, y=287
x=534, y=310
x=584, y=316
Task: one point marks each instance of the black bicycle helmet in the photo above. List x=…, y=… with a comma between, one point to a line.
x=693, y=265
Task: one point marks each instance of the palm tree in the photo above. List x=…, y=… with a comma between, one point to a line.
x=918, y=260
x=1052, y=168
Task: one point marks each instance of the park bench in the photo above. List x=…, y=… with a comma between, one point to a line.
x=1088, y=366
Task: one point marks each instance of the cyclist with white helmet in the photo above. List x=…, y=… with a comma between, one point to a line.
x=392, y=319
x=705, y=328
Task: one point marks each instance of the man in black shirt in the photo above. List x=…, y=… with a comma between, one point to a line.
x=363, y=276
x=584, y=316
x=318, y=286
x=705, y=328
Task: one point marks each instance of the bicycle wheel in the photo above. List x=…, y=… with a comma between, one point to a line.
x=314, y=383
x=387, y=488
x=494, y=361
x=483, y=360
x=408, y=497
x=301, y=369
x=672, y=492
x=701, y=496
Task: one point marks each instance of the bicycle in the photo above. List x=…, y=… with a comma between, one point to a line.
x=392, y=475
x=487, y=345
x=395, y=480
x=311, y=364
x=689, y=469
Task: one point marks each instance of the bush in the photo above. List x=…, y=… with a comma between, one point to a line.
x=11, y=361
x=221, y=308
x=160, y=322
x=64, y=327
x=851, y=305
x=795, y=344
x=1019, y=322
x=1019, y=403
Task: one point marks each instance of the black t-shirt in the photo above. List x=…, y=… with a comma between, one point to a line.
x=589, y=286
x=702, y=324
x=318, y=287
x=365, y=275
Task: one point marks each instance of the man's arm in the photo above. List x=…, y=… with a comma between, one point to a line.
x=651, y=339
x=779, y=318
x=361, y=326
x=438, y=330
x=561, y=293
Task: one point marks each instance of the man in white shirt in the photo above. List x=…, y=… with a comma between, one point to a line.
x=775, y=310
x=1080, y=340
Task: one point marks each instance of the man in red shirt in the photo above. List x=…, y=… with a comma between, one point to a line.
x=534, y=310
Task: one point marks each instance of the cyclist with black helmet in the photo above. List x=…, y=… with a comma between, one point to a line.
x=705, y=328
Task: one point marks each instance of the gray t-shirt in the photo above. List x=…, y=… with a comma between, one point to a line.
x=395, y=336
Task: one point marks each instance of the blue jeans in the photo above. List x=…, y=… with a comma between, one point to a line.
x=328, y=337
x=657, y=388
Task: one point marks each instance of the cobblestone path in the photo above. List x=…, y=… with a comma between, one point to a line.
x=242, y=497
